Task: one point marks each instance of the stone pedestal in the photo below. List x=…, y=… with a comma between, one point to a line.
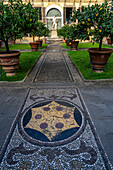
x=54, y=33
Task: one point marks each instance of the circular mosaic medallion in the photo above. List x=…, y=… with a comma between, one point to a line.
x=51, y=123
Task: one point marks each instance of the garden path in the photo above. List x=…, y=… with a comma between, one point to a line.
x=50, y=126
x=54, y=67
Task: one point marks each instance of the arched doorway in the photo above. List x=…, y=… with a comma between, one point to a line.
x=51, y=11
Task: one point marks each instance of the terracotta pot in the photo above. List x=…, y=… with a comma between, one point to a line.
x=44, y=40
x=40, y=43
x=74, y=45
x=64, y=40
x=98, y=58
x=9, y=61
x=12, y=41
x=109, y=41
x=34, y=46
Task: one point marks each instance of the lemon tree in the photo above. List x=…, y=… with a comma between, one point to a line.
x=17, y=19
x=96, y=20
x=11, y=21
x=73, y=33
x=31, y=17
x=42, y=30
x=63, y=31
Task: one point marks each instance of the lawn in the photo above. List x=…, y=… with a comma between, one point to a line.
x=82, y=59
x=27, y=60
x=87, y=45
x=22, y=47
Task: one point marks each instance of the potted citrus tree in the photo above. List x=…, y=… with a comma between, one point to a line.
x=72, y=36
x=40, y=29
x=99, y=19
x=11, y=22
x=45, y=33
x=63, y=32
x=31, y=17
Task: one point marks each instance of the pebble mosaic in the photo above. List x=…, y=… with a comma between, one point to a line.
x=54, y=131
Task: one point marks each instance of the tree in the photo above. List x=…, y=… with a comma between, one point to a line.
x=63, y=31
x=30, y=18
x=96, y=20
x=16, y=19
x=11, y=21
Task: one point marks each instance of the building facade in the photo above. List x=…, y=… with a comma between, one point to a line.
x=61, y=9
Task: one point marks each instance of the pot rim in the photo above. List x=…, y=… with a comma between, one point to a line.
x=33, y=42
x=39, y=40
x=75, y=41
x=11, y=53
x=103, y=51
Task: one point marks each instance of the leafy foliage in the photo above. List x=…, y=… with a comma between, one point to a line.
x=42, y=30
x=10, y=21
x=45, y=31
x=30, y=19
x=16, y=19
x=96, y=20
x=63, y=31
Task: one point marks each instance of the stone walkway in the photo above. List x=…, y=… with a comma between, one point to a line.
x=54, y=67
x=44, y=121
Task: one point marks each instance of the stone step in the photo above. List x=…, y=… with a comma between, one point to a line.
x=54, y=40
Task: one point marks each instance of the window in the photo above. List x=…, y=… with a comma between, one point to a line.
x=68, y=13
x=53, y=12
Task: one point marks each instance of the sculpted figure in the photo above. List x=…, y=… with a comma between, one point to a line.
x=54, y=22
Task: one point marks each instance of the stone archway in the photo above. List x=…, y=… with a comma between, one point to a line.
x=51, y=11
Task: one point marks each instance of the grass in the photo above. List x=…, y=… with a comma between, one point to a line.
x=82, y=59
x=87, y=45
x=22, y=47
x=43, y=46
x=26, y=61
x=65, y=45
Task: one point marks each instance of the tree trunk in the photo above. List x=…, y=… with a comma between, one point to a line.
x=7, y=47
x=33, y=39
x=100, y=44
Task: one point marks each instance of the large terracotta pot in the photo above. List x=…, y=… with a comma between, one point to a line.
x=74, y=45
x=34, y=46
x=109, y=41
x=98, y=58
x=40, y=42
x=9, y=62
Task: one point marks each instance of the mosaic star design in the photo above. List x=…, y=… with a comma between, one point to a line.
x=52, y=119
x=77, y=148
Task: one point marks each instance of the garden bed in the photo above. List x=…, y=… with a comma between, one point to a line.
x=22, y=47
x=87, y=45
x=26, y=62
x=81, y=59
